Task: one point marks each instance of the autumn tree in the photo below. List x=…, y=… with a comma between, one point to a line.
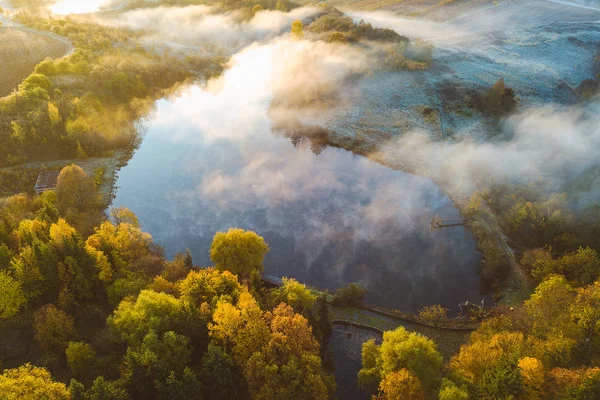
x=289, y=365
x=179, y=267
x=581, y=267
x=526, y=352
x=399, y=350
x=242, y=329
x=118, y=247
x=122, y=215
x=532, y=371
x=12, y=298
x=76, y=191
x=239, y=252
x=401, y=385
x=209, y=286
x=29, y=382
x=434, y=315
x=586, y=312
x=297, y=29
x=282, y=6
x=257, y=8
x=54, y=328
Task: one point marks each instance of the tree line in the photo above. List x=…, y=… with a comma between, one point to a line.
x=101, y=314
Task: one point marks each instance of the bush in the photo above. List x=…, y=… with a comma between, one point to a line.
x=434, y=315
x=499, y=100
x=351, y=295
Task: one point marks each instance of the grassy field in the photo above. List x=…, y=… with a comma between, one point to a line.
x=21, y=51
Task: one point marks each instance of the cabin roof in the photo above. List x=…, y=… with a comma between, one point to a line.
x=46, y=181
x=273, y=280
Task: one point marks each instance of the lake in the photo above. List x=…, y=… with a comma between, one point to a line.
x=210, y=161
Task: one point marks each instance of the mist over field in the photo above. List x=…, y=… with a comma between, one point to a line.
x=316, y=84
x=200, y=25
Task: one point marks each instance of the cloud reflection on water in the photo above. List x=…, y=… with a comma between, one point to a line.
x=210, y=162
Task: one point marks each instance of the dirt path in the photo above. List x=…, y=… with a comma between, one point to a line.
x=519, y=283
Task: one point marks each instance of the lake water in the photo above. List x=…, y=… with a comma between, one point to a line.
x=209, y=161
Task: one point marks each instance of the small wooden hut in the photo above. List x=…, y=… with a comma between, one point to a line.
x=46, y=181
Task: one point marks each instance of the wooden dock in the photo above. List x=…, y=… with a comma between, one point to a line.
x=442, y=222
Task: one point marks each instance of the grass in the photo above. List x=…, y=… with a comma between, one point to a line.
x=20, y=52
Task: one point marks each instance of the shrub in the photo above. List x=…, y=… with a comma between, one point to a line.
x=351, y=295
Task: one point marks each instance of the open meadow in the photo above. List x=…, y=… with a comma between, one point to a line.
x=20, y=51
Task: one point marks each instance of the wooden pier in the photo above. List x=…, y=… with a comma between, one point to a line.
x=442, y=222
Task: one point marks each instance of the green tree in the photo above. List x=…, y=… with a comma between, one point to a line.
x=29, y=382
x=500, y=99
x=187, y=387
x=105, y=390
x=325, y=325
x=77, y=390
x=502, y=381
x=239, y=252
x=450, y=391
x=369, y=375
x=297, y=295
x=150, y=311
x=350, y=295
x=80, y=358
x=12, y=298
x=188, y=260
x=148, y=367
x=221, y=376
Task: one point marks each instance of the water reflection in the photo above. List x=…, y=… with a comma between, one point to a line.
x=209, y=162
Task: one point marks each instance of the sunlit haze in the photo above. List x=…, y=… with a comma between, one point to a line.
x=66, y=7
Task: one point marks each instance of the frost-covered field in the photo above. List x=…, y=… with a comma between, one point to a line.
x=543, y=49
